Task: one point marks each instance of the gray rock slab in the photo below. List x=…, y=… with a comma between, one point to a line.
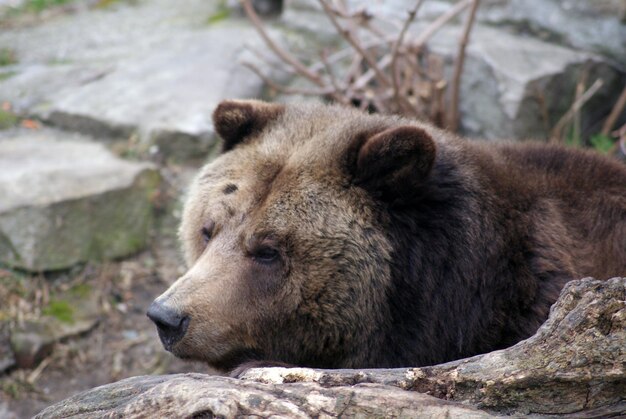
x=154, y=68
x=63, y=202
x=597, y=26
x=518, y=87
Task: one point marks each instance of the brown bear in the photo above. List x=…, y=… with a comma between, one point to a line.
x=326, y=237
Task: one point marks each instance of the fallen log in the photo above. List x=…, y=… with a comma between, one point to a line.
x=574, y=366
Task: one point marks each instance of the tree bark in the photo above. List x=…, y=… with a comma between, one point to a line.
x=574, y=366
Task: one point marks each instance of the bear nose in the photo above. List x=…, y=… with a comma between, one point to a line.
x=170, y=324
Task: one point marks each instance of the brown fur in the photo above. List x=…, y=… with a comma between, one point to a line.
x=330, y=238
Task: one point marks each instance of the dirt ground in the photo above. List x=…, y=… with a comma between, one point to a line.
x=124, y=343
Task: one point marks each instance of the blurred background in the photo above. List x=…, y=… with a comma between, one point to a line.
x=105, y=116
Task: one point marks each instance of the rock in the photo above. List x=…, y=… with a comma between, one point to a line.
x=575, y=365
x=32, y=343
x=65, y=202
x=594, y=26
x=7, y=358
x=168, y=95
x=5, y=413
x=517, y=87
x=68, y=314
x=160, y=73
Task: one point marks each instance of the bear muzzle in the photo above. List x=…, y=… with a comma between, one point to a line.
x=170, y=324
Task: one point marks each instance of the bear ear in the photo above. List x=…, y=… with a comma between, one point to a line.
x=393, y=164
x=237, y=120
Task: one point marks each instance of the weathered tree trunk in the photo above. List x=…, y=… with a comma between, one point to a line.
x=574, y=366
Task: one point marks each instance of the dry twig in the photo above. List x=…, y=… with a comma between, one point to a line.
x=289, y=90
x=396, y=50
x=557, y=131
x=280, y=52
x=440, y=22
x=453, y=122
x=355, y=44
x=615, y=113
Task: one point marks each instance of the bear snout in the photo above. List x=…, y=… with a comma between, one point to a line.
x=170, y=324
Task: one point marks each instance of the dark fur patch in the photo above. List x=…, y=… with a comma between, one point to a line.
x=392, y=164
x=230, y=188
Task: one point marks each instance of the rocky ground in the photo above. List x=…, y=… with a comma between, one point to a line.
x=105, y=112
x=107, y=338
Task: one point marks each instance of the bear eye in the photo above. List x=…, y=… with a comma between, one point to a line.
x=266, y=255
x=207, y=232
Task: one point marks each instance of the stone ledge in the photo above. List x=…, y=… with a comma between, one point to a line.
x=66, y=202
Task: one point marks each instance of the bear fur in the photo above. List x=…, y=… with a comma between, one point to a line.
x=326, y=237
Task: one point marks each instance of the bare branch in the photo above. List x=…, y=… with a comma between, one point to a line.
x=361, y=17
x=272, y=63
x=353, y=70
x=580, y=89
x=558, y=128
x=335, y=83
x=438, y=23
x=288, y=90
x=615, y=112
x=367, y=77
x=348, y=53
x=280, y=52
x=396, y=49
x=389, y=73
x=382, y=78
x=453, y=122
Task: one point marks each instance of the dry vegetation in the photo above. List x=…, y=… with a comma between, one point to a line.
x=383, y=66
x=381, y=70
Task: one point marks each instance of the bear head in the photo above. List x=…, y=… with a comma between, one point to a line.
x=285, y=236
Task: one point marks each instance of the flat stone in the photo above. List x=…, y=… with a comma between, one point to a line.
x=65, y=202
x=159, y=74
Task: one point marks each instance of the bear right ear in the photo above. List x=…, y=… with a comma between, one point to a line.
x=237, y=120
x=393, y=164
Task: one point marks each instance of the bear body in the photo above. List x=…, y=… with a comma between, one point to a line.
x=325, y=237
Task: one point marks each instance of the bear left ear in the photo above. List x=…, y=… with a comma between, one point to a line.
x=393, y=164
x=237, y=120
